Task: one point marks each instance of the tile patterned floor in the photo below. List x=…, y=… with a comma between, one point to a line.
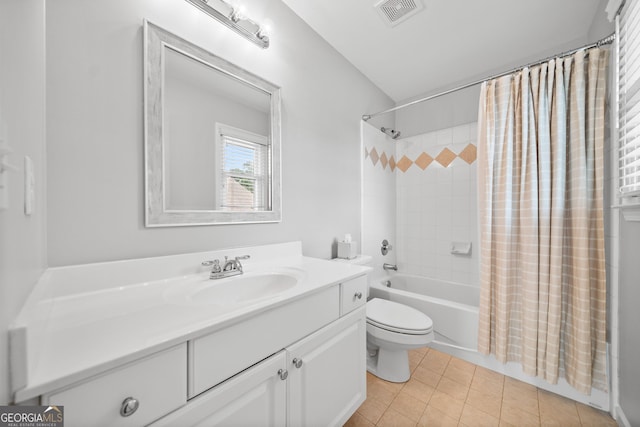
x=447, y=391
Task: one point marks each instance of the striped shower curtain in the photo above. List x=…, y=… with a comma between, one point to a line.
x=540, y=177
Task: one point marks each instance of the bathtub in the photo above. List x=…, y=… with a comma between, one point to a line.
x=453, y=307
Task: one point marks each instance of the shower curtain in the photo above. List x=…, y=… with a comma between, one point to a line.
x=540, y=182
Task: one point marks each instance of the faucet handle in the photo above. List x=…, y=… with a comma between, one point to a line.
x=238, y=263
x=215, y=263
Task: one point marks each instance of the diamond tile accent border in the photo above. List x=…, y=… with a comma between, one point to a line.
x=384, y=160
x=423, y=161
x=404, y=163
x=373, y=154
x=469, y=154
x=444, y=158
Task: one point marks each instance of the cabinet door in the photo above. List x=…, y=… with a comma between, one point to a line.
x=327, y=373
x=255, y=397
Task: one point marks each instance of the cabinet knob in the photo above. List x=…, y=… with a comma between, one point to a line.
x=297, y=362
x=283, y=374
x=129, y=406
x=358, y=295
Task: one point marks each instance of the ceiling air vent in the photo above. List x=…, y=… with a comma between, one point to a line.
x=394, y=12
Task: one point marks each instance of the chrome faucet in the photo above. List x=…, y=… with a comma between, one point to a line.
x=387, y=266
x=231, y=267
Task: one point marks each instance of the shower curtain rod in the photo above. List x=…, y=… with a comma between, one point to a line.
x=607, y=40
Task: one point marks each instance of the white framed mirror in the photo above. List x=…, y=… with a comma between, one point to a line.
x=212, y=137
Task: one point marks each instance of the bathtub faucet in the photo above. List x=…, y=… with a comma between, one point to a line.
x=387, y=266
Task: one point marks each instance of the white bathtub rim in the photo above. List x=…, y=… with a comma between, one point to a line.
x=391, y=274
x=377, y=283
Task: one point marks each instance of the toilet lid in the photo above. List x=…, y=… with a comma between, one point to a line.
x=396, y=317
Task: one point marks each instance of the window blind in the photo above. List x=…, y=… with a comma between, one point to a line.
x=244, y=159
x=629, y=99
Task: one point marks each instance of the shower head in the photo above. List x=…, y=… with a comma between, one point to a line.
x=394, y=134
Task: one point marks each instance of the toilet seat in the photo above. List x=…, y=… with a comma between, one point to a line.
x=399, y=318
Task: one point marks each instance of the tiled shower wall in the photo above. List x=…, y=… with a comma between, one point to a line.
x=378, y=196
x=437, y=203
x=435, y=200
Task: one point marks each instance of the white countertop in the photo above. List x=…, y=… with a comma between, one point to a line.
x=63, y=336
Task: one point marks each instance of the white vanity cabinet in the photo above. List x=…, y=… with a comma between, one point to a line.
x=318, y=380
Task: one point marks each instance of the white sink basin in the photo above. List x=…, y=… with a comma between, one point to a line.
x=241, y=289
x=232, y=290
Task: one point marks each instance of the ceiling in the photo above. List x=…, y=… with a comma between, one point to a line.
x=449, y=42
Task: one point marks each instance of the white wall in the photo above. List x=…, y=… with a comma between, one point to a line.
x=600, y=26
x=22, y=125
x=629, y=317
x=95, y=130
x=451, y=110
x=91, y=171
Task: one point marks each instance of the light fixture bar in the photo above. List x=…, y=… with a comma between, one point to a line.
x=234, y=22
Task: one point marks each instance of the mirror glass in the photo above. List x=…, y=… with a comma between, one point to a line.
x=212, y=133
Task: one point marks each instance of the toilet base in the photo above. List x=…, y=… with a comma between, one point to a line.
x=389, y=365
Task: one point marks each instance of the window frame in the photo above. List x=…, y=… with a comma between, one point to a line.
x=261, y=175
x=628, y=104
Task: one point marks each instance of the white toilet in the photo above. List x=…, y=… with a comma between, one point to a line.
x=392, y=330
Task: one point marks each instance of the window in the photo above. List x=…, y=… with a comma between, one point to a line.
x=628, y=26
x=244, y=170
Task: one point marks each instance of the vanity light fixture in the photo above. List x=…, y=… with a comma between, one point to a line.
x=234, y=19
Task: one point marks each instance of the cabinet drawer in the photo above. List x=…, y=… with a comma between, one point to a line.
x=353, y=294
x=158, y=383
x=222, y=354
